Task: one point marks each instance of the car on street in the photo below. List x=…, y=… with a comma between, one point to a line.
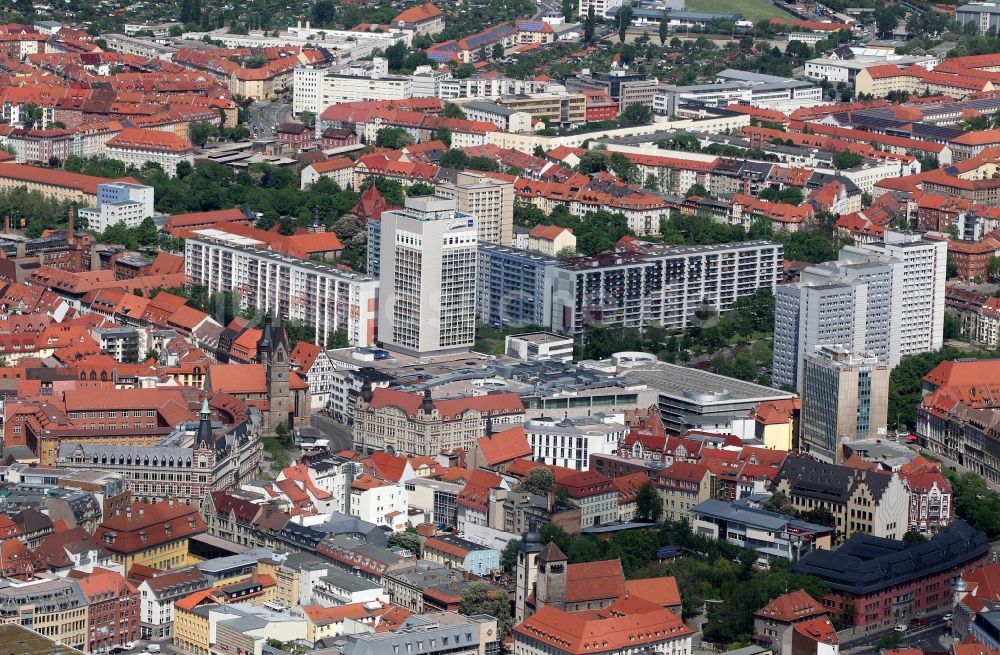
x=901, y=627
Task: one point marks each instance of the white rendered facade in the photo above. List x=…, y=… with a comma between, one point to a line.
x=570, y=442
x=119, y=202
x=317, y=294
x=427, y=273
x=382, y=505
x=138, y=156
x=884, y=298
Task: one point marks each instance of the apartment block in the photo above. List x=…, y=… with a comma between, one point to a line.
x=119, y=202
x=983, y=15
x=845, y=396
x=315, y=89
x=664, y=286
x=553, y=109
x=428, y=277
x=489, y=200
x=514, y=286
x=52, y=606
x=321, y=296
x=885, y=299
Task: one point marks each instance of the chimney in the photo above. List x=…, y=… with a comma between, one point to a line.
x=70, y=227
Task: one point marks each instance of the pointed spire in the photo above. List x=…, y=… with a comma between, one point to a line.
x=205, y=435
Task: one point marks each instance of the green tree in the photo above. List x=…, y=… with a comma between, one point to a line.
x=589, y=25
x=780, y=502
x=323, y=13
x=497, y=51
x=845, y=159
x=698, y=190
x=419, y=189
x=593, y=161
x=538, y=481
x=201, y=132
x=624, y=20
x=624, y=168
x=635, y=114
x=443, y=135
x=393, y=137
x=569, y=11
x=455, y=159
x=886, y=19
x=508, y=558
x=742, y=367
x=281, y=432
x=975, y=502
x=952, y=326
x=820, y=516
x=994, y=269
x=146, y=234
x=664, y=28
x=407, y=539
x=648, y=503
x=32, y=116
x=484, y=163
x=914, y=537
x=478, y=599
x=337, y=339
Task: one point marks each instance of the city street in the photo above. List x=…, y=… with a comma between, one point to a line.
x=931, y=638
x=265, y=116
x=338, y=433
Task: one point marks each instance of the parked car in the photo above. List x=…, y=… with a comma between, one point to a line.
x=901, y=627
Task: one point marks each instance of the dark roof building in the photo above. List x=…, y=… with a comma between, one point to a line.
x=877, y=583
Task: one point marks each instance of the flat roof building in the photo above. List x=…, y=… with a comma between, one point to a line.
x=692, y=399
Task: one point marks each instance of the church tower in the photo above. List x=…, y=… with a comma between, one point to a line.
x=273, y=352
x=527, y=569
x=550, y=588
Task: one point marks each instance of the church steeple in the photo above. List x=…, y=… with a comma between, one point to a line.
x=265, y=341
x=204, y=436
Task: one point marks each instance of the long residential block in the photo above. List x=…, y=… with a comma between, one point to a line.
x=321, y=296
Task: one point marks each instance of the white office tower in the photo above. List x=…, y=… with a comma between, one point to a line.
x=428, y=269
x=918, y=294
x=884, y=299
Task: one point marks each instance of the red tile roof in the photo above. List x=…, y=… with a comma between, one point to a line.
x=55, y=177
x=420, y=13
x=156, y=140
x=790, y=607
x=505, y=446
x=662, y=591
x=149, y=525
x=627, y=624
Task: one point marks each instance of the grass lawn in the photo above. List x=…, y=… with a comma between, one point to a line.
x=754, y=10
